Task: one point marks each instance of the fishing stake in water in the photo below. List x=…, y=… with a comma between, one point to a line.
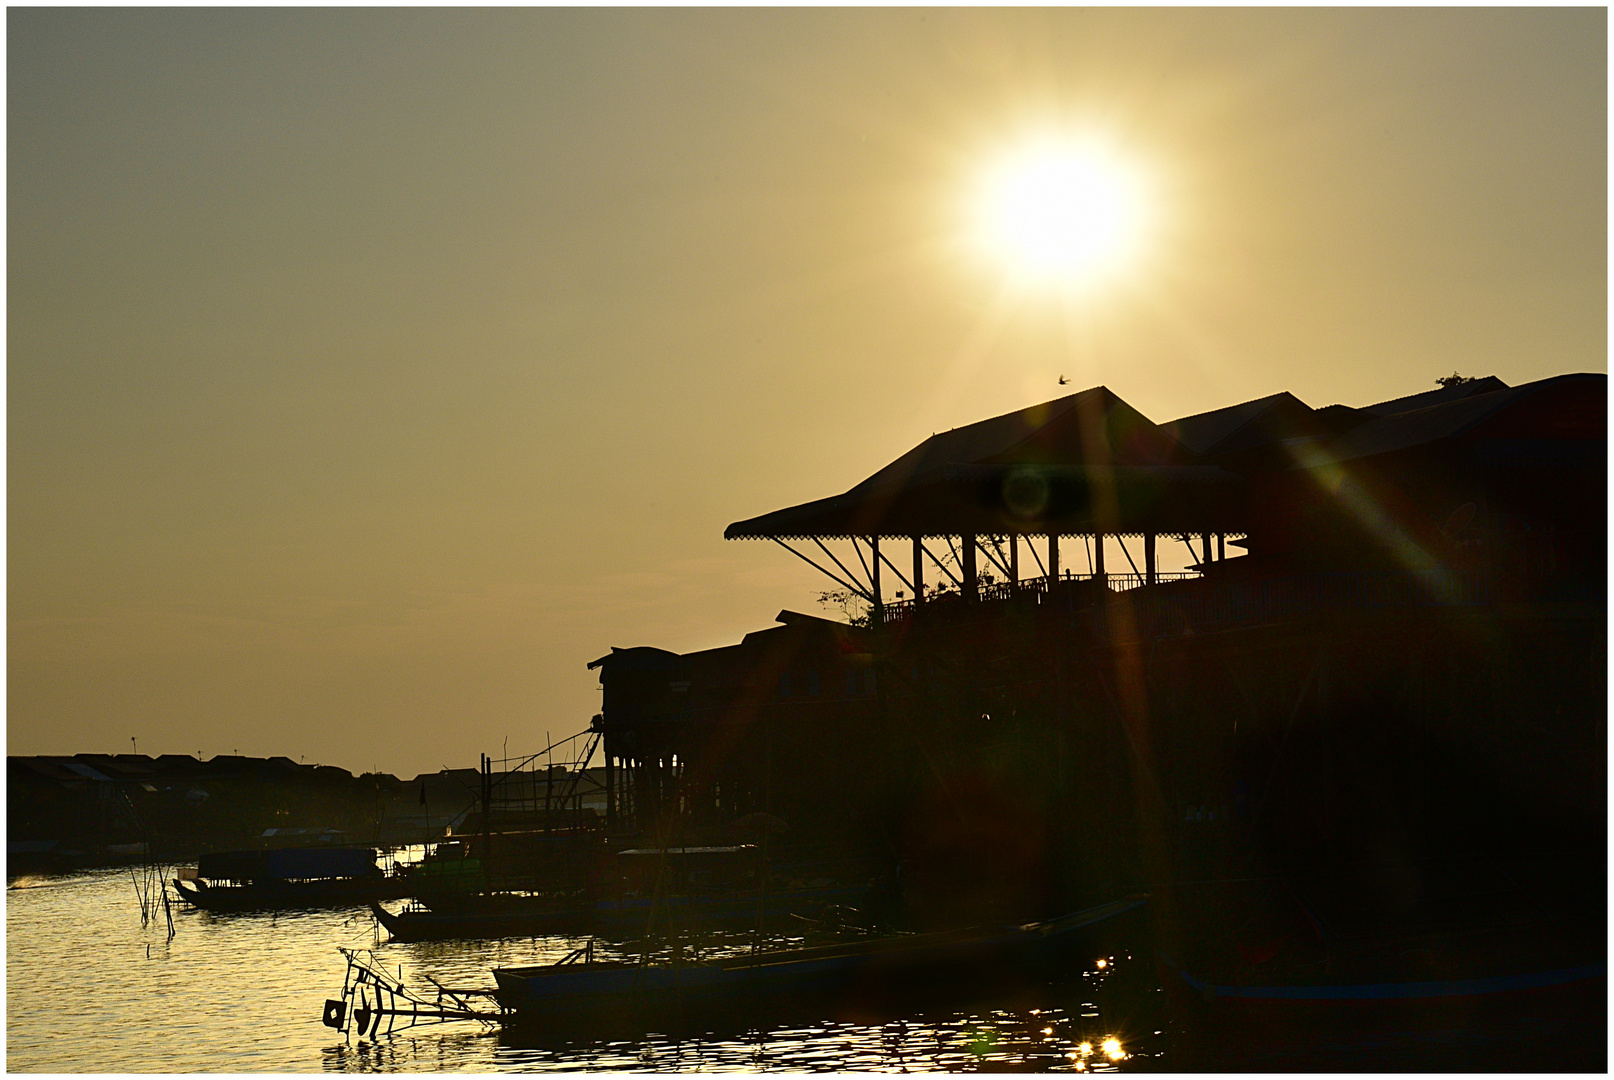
x=370, y=996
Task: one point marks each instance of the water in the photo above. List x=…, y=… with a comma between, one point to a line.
x=90, y=990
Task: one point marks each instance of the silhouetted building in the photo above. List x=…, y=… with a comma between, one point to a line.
x=1407, y=657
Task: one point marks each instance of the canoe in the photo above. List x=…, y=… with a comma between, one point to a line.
x=865, y=970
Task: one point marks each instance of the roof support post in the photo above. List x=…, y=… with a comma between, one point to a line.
x=1014, y=562
x=1221, y=546
x=1053, y=557
x=874, y=580
x=918, y=570
x=1204, y=544
x=972, y=583
x=1148, y=559
x=1098, y=556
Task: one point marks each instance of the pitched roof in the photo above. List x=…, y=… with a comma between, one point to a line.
x=1061, y=431
x=1089, y=462
x=1236, y=426
x=637, y=658
x=1456, y=416
x=962, y=480
x=1429, y=398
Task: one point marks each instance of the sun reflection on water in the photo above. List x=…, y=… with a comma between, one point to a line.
x=292, y=964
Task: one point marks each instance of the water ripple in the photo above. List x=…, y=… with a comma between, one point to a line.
x=89, y=990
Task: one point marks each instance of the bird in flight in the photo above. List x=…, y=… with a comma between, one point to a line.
x=1063, y=380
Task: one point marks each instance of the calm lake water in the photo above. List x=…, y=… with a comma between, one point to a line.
x=89, y=990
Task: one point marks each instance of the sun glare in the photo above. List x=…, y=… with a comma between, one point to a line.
x=1061, y=211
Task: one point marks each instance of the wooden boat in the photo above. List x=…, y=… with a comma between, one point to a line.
x=862, y=971
x=288, y=878
x=512, y=915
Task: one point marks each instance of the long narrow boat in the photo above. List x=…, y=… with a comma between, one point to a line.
x=288, y=878
x=491, y=916
x=862, y=971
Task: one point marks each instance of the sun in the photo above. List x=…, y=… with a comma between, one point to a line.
x=1061, y=211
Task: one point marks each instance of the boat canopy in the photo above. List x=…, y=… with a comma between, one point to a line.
x=288, y=863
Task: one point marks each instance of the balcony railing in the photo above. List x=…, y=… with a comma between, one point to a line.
x=1182, y=602
x=1028, y=590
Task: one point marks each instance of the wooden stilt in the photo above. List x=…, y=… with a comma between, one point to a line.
x=918, y=570
x=874, y=580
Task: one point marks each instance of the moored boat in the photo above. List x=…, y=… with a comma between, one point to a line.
x=860, y=972
x=288, y=878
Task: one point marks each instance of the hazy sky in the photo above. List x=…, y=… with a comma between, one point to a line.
x=371, y=371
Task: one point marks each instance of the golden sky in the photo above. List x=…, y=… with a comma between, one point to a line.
x=371, y=371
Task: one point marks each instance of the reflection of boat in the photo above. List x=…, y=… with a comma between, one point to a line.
x=288, y=878
x=861, y=971
x=1410, y=979
x=623, y=895
x=1293, y=972
x=515, y=915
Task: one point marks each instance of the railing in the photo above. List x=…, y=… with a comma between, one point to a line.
x=1033, y=590
x=1184, y=602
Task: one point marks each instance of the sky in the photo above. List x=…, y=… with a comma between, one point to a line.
x=372, y=371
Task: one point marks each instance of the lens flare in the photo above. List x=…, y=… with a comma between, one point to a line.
x=1112, y=1049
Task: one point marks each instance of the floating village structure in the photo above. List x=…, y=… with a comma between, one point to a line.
x=1387, y=644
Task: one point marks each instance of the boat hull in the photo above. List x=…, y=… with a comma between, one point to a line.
x=855, y=977
x=266, y=896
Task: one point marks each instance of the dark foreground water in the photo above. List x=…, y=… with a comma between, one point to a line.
x=89, y=990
